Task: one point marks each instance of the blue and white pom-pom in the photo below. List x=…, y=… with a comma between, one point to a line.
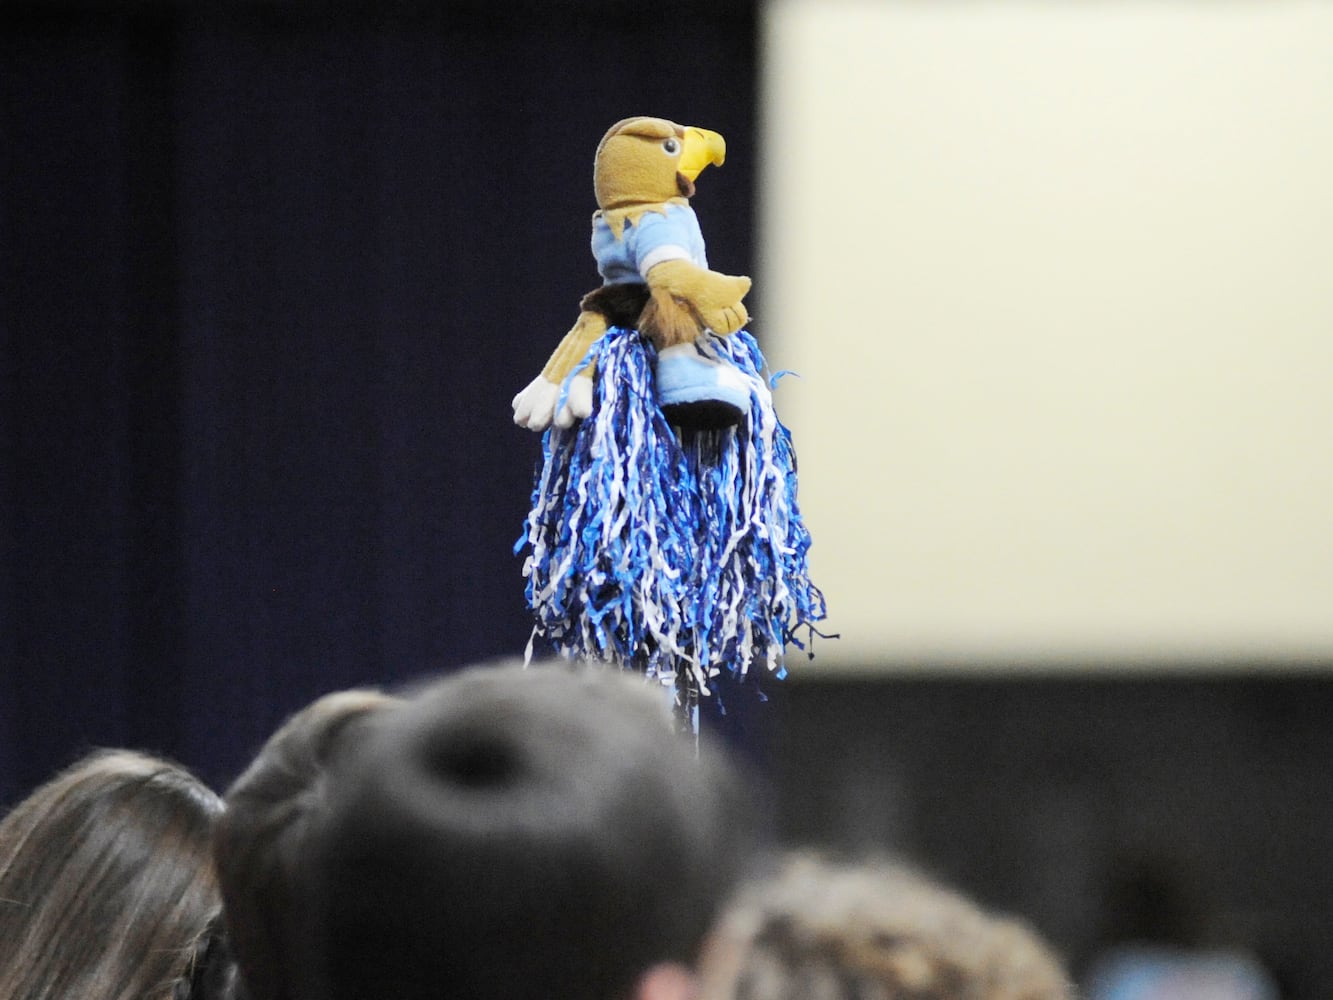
x=678, y=557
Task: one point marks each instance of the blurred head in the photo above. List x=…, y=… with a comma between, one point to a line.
x=822, y=931
x=260, y=839
x=523, y=833
x=107, y=890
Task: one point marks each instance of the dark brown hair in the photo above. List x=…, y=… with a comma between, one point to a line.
x=520, y=833
x=259, y=841
x=106, y=887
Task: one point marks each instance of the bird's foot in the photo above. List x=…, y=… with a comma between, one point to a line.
x=700, y=390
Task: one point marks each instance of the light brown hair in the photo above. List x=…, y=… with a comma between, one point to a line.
x=260, y=840
x=107, y=891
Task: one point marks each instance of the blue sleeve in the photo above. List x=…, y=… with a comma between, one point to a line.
x=656, y=234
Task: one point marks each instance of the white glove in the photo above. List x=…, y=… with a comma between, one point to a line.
x=534, y=407
x=578, y=403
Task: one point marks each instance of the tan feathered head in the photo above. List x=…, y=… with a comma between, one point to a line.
x=649, y=161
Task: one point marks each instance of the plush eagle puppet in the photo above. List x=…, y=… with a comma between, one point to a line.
x=664, y=531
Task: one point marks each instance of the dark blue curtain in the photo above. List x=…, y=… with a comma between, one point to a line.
x=271, y=274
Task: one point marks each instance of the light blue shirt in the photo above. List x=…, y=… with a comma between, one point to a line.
x=649, y=240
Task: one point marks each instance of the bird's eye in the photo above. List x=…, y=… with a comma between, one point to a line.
x=671, y=146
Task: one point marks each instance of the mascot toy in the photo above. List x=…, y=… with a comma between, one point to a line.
x=664, y=533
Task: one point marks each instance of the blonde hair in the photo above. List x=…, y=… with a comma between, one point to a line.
x=874, y=931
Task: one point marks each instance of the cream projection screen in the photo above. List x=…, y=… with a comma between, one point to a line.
x=1057, y=279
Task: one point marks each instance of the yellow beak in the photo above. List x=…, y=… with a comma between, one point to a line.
x=701, y=147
